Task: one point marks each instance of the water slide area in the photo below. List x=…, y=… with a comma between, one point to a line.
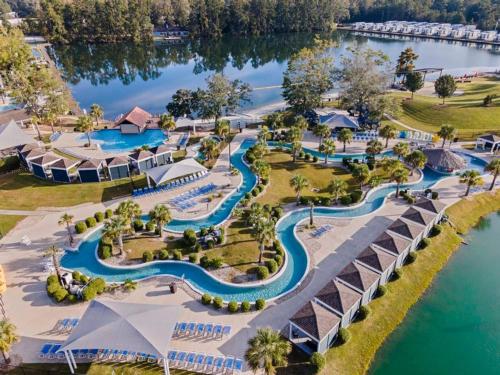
x=85, y=261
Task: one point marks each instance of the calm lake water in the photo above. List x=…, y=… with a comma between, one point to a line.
x=120, y=76
x=455, y=327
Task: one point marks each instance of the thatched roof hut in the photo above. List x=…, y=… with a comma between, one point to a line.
x=444, y=161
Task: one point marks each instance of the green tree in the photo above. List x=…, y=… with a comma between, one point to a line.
x=416, y=159
x=345, y=136
x=493, y=167
x=8, y=337
x=338, y=188
x=223, y=130
x=129, y=210
x=328, y=148
x=264, y=232
x=401, y=149
x=85, y=124
x=374, y=147
x=414, y=82
x=361, y=174
x=263, y=134
x=298, y=183
x=388, y=132
x=471, y=178
x=210, y=148
x=322, y=131
x=274, y=121
x=445, y=86
x=296, y=148
x=53, y=252
x=166, y=122
x=181, y=104
x=399, y=176
x=267, y=350
x=161, y=215
x=114, y=230
x=406, y=62
x=96, y=112
x=261, y=168
x=66, y=220
x=446, y=133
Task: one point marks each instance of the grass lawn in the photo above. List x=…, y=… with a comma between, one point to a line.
x=465, y=112
x=7, y=222
x=95, y=369
x=135, y=247
x=23, y=191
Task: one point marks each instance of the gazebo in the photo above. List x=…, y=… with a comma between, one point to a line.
x=444, y=161
x=61, y=169
x=142, y=160
x=90, y=171
x=163, y=154
x=118, y=167
x=489, y=142
x=41, y=165
x=135, y=327
x=168, y=172
x=339, y=121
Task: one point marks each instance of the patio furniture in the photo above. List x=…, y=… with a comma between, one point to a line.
x=218, y=330
x=45, y=350
x=228, y=364
x=190, y=360
x=226, y=330
x=209, y=363
x=238, y=365
x=218, y=364
x=209, y=329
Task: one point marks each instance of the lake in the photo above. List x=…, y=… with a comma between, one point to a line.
x=455, y=327
x=120, y=76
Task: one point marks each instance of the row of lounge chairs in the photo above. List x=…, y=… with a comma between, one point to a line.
x=169, y=186
x=206, y=364
x=193, y=193
x=183, y=140
x=66, y=325
x=319, y=232
x=217, y=331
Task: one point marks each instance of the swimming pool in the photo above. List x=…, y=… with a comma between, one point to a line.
x=85, y=261
x=112, y=140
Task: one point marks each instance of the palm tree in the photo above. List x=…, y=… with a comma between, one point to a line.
x=223, y=130
x=446, y=133
x=254, y=213
x=298, y=183
x=274, y=121
x=96, y=112
x=85, y=124
x=263, y=134
x=8, y=337
x=166, y=122
x=264, y=232
x=338, y=188
x=388, y=132
x=50, y=118
x=161, y=215
x=209, y=147
x=416, y=159
x=399, y=176
x=261, y=168
x=401, y=149
x=35, y=121
x=328, y=148
x=322, y=131
x=361, y=174
x=114, y=230
x=67, y=220
x=494, y=168
x=345, y=136
x=471, y=178
x=374, y=147
x=54, y=253
x=296, y=148
x=128, y=210
x=266, y=350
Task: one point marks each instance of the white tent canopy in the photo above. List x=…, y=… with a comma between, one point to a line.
x=341, y=121
x=138, y=327
x=12, y=135
x=169, y=172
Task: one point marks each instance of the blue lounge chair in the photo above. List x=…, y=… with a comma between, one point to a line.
x=83, y=353
x=238, y=365
x=53, y=351
x=200, y=328
x=62, y=324
x=93, y=353
x=182, y=329
x=199, y=361
x=191, y=328
x=73, y=324
x=45, y=350
x=209, y=329
x=171, y=355
x=152, y=358
x=179, y=360
x=226, y=330
x=218, y=330
x=209, y=363
x=218, y=363
x=190, y=359
x=104, y=354
x=229, y=364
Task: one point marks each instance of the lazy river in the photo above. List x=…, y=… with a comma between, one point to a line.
x=295, y=268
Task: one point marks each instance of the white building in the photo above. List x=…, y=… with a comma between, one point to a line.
x=458, y=33
x=473, y=34
x=489, y=35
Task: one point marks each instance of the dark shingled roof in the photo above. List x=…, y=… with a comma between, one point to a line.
x=338, y=296
x=389, y=242
x=418, y=216
x=440, y=157
x=431, y=205
x=116, y=161
x=64, y=163
x=358, y=276
x=36, y=152
x=406, y=228
x=90, y=164
x=376, y=259
x=315, y=320
x=161, y=149
x=141, y=155
x=136, y=116
x=45, y=159
x=490, y=137
x=27, y=147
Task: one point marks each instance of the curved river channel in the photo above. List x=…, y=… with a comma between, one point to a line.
x=295, y=268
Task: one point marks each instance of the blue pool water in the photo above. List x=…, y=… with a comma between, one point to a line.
x=112, y=140
x=84, y=260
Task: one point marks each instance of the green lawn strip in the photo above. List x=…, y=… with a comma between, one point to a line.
x=138, y=368
x=389, y=311
x=7, y=222
x=23, y=191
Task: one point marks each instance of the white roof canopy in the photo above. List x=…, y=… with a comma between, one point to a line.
x=12, y=135
x=169, y=172
x=138, y=327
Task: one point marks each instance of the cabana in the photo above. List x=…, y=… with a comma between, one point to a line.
x=443, y=161
x=134, y=121
x=117, y=167
x=378, y=261
x=137, y=328
x=142, y=160
x=91, y=171
x=407, y=230
x=163, y=154
x=360, y=279
x=313, y=328
x=22, y=150
x=41, y=165
x=488, y=142
x=32, y=154
x=61, y=169
x=341, y=300
x=393, y=244
x=11, y=135
x=169, y=172
x=339, y=121
x=431, y=205
x=421, y=217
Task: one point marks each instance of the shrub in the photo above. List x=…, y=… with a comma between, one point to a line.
x=98, y=284
x=147, y=256
x=150, y=226
x=325, y=201
x=412, y=257
x=163, y=255
x=346, y=200
x=104, y=251
x=436, y=229
x=381, y=290
x=248, y=196
x=261, y=188
x=264, y=181
x=260, y=304
x=307, y=157
x=302, y=154
x=108, y=213
x=356, y=196
x=220, y=238
x=203, y=231
x=177, y=255
x=193, y=258
x=217, y=302
x=411, y=199
x=90, y=222
x=315, y=159
x=210, y=244
x=262, y=272
x=245, y=306
x=318, y=361
x=434, y=195
x=216, y=263
x=206, y=299
x=304, y=200
x=189, y=236
x=250, y=157
x=76, y=275
x=344, y=335
x=60, y=294
x=204, y=262
x=278, y=259
x=99, y=216
x=138, y=225
x=80, y=227
x=232, y=307
x=424, y=243
x=244, y=202
x=272, y=266
x=255, y=192
x=277, y=212
x=197, y=247
x=277, y=247
x=71, y=298
x=396, y=275
x=89, y=293
x=364, y=311
x=52, y=279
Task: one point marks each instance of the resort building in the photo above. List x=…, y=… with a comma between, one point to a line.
x=360, y=279
x=490, y=35
x=41, y=166
x=118, y=167
x=421, y=217
x=142, y=160
x=393, y=244
x=91, y=171
x=337, y=122
x=444, y=161
x=313, y=328
x=163, y=154
x=378, y=261
x=62, y=170
x=431, y=205
x=340, y=299
x=29, y=154
x=472, y=34
x=135, y=121
x=187, y=169
x=488, y=142
x=407, y=230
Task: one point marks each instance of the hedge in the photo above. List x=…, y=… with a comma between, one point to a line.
x=436, y=229
x=163, y=254
x=206, y=299
x=90, y=222
x=189, y=236
x=193, y=258
x=177, y=255
x=60, y=294
x=344, y=335
x=80, y=227
x=108, y=213
x=260, y=304
x=412, y=257
x=232, y=307
x=262, y=272
x=104, y=251
x=138, y=225
x=99, y=216
x=346, y=200
x=147, y=256
x=364, y=312
x=381, y=290
x=271, y=265
x=245, y=306
x=356, y=196
x=89, y=293
x=318, y=361
x=424, y=243
x=278, y=259
x=217, y=302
